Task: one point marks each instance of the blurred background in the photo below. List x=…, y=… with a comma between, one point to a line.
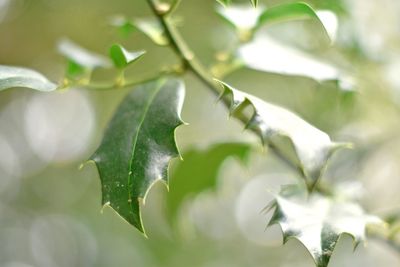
x=50, y=211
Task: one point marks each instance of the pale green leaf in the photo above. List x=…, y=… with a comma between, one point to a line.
x=254, y=2
x=292, y=11
x=224, y=2
x=12, y=77
x=241, y=17
x=269, y=55
x=318, y=221
x=199, y=172
x=138, y=146
x=81, y=56
x=312, y=147
x=148, y=26
x=122, y=57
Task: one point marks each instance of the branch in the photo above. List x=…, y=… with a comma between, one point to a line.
x=191, y=63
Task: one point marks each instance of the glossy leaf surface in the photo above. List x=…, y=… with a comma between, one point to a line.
x=138, y=145
x=199, y=172
x=313, y=147
x=122, y=57
x=318, y=221
x=11, y=77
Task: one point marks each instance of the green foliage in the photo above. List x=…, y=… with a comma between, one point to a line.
x=199, y=171
x=122, y=58
x=139, y=142
x=318, y=221
x=11, y=77
x=138, y=145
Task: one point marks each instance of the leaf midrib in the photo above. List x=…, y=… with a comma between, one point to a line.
x=135, y=139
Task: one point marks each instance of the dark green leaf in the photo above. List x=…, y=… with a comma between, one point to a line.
x=138, y=146
x=122, y=58
x=199, y=172
x=290, y=11
x=11, y=77
x=81, y=56
x=318, y=221
x=313, y=147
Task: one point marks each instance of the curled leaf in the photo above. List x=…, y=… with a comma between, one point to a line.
x=122, y=57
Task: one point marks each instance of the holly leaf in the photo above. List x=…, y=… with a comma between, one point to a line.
x=199, y=172
x=312, y=147
x=318, y=221
x=268, y=55
x=224, y=2
x=292, y=11
x=122, y=57
x=254, y=2
x=138, y=146
x=148, y=26
x=82, y=57
x=12, y=77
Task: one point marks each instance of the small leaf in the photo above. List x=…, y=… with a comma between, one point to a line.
x=313, y=147
x=318, y=222
x=11, y=77
x=199, y=172
x=81, y=56
x=254, y=2
x=138, y=146
x=122, y=58
x=149, y=27
x=268, y=55
x=291, y=11
x=224, y=2
x=240, y=17
x=152, y=29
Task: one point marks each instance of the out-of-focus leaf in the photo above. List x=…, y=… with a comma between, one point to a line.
x=268, y=55
x=199, y=172
x=11, y=77
x=224, y=2
x=241, y=17
x=313, y=147
x=81, y=56
x=318, y=221
x=122, y=58
x=254, y=2
x=148, y=26
x=138, y=145
x=290, y=11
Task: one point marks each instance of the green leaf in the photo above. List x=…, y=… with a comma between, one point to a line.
x=240, y=17
x=318, y=221
x=122, y=58
x=291, y=11
x=11, y=77
x=138, y=146
x=312, y=147
x=148, y=26
x=254, y=2
x=199, y=172
x=285, y=60
x=81, y=56
x=224, y=2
